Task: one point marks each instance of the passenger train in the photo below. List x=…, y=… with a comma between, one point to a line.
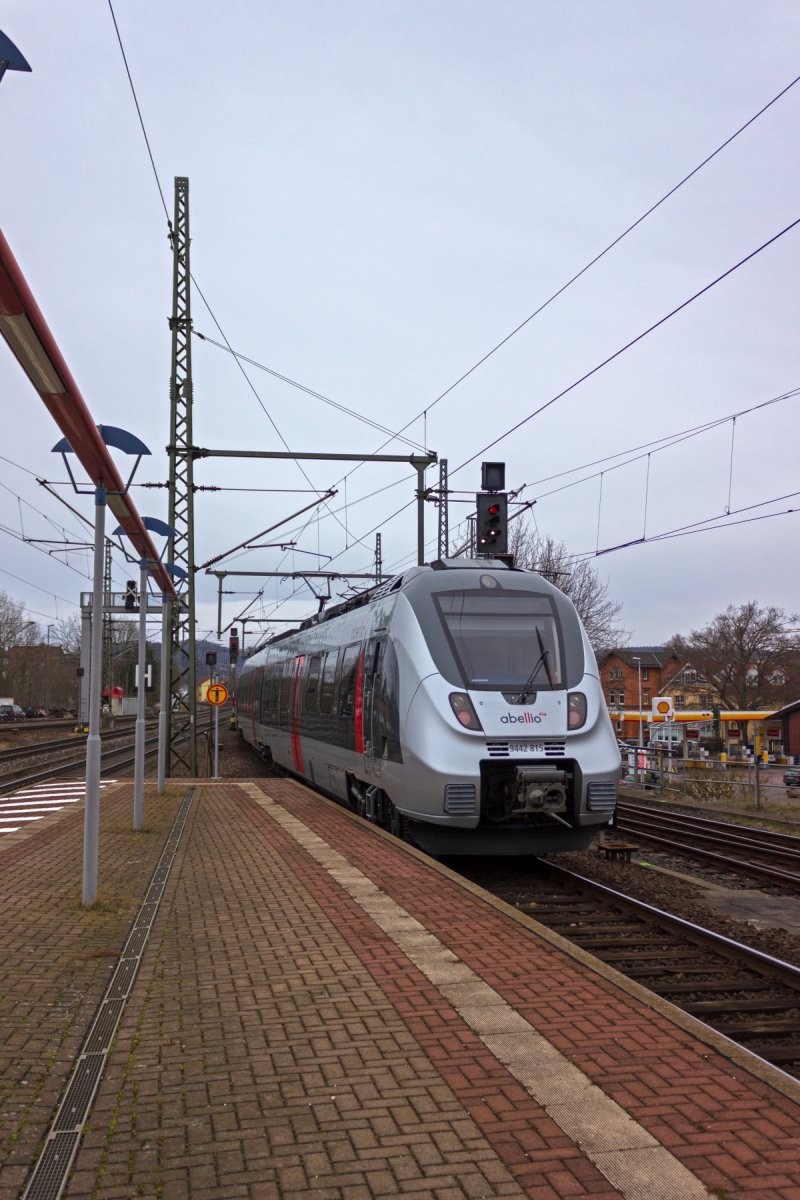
x=458, y=705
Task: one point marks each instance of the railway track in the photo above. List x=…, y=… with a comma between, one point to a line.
x=765, y=854
x=738, y=991
x=56, y=745
x=70, y=757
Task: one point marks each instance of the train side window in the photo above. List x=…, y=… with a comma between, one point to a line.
x=312, y=682
x=274, y=693
x=283, y=696
x=327, y=682
x=347, y=686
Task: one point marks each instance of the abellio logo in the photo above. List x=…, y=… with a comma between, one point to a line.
x=525, y=718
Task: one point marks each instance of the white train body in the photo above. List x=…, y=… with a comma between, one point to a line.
x=459, y=705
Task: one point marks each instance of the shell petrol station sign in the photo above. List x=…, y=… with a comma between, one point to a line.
x=663, y=709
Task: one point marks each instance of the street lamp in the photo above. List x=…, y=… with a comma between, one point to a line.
x=129, y=444
x=638, y=662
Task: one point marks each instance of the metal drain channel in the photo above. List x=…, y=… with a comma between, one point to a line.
x=61, y=1145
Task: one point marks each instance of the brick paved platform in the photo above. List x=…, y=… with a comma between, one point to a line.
x=322, y=1012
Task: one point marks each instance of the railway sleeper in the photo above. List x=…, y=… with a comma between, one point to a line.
x=707, y=1007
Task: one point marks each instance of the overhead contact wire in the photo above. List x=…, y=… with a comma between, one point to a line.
x=629, y=345
x=546, y=303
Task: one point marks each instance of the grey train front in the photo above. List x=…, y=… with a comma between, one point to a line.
x=458, y=705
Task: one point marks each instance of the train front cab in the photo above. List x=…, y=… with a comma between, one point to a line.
x=509, y=740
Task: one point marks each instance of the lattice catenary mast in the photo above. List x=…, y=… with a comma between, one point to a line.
x=183, y=682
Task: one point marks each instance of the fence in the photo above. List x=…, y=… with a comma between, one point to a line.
x=707, y=779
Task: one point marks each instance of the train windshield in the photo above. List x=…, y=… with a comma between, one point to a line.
x=503, y=640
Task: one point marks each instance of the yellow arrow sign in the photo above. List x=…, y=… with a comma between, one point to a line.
x=217, y=693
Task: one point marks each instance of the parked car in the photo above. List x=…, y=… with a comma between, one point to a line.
x=11, y=712
x=791, y=778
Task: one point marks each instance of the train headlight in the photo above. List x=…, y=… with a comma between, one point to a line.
x=465, y=713
x=576, y=710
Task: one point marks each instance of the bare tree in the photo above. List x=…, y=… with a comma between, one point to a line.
x=68, y=635
x=747, y=653
x=578, y=580
x=15, y=630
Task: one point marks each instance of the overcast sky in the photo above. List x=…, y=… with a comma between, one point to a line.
x=379, y=194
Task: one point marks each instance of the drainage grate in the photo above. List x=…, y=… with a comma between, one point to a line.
x=53, y=1167
x=146, y=914
x=102, y=1032
x=135, y=943
x=80, y=1093
x=122, y=978
x=49, y=1176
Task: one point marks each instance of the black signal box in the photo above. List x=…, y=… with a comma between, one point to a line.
x=493, y=476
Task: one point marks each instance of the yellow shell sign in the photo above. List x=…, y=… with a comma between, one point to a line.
x=663, y=708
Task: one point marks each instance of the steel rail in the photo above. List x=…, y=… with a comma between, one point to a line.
x=644, y=830
x=79, y=765
x=768, y=837
x=787, y=972
x=779, y=852
x=735, y=864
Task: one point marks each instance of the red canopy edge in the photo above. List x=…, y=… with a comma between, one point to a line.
x=33, y=345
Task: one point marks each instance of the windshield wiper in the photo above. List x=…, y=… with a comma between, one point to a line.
x=542, y=660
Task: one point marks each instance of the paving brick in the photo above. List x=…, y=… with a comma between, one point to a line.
x=278, y=1044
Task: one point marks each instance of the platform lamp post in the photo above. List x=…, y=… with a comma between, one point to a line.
x=638, y=662
x=120, y=439
x=153, y=525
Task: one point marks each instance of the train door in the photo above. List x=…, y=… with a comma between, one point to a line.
x=295, y=705
x=372, y=691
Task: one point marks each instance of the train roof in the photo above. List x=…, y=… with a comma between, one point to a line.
x=399, y=581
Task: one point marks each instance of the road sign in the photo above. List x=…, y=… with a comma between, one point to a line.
x=217, y=693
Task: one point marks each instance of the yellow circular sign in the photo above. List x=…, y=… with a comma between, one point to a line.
x=217, y=693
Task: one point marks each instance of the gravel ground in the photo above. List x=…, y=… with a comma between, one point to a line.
x=665, y=891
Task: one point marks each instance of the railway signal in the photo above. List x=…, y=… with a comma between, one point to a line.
x=492, y=524
x=233, y=645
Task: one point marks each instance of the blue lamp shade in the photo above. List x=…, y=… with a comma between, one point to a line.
x=10, y=57
x=112, y=435
x=159, y=527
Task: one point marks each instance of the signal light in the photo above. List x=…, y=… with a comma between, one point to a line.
x=492, y=519
x=233, y=645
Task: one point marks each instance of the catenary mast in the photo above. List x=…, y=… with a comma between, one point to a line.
x=183, y=683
